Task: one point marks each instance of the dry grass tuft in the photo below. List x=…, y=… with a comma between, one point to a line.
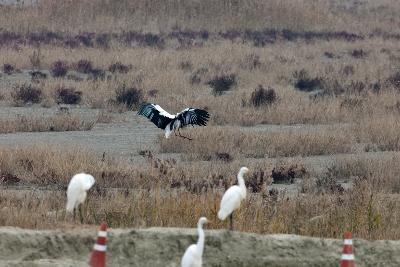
x=26, y=94
x=258, y=145
x=379, y=133
x=118, y=67
x=305, y=83
x=59, y=69
x=66, y=95
x=287, y=174
x=131, y=97
x=171, y=14
x=56, y=123
x=364, y=209
x=262, y=97
x=380, y=172
x=84, y=66
x=395, y=80
x=8, y=69
x=366, y=214
x=221, y=84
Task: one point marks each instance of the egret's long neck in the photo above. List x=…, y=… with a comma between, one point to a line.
x=241, y=183
x=200, y=242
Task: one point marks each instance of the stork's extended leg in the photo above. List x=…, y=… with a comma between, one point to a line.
x=74, y=213
x=185, y=137
x=231, y=221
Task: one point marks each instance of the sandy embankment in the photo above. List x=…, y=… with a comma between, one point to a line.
x=164, y=247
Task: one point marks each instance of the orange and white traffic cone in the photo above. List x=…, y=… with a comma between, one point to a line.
x=347, y=259
x=98, y=257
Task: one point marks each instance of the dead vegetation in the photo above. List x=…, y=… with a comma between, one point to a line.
x=221, y=84
x=258, y=145
x=8, y=69
x=365, y=209
x=337, y=98
x=287, y=174
x=26, y=94
x=57, y=123
x=65, y=95
x=263, y=97
x=223, y=15
x=317, y=63
x=59, y=68
x=131, y=97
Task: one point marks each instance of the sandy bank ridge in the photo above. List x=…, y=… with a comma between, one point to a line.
x=165, y=246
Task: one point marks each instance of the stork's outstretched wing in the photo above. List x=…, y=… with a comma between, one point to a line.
x=156, y=114
x=194, y=116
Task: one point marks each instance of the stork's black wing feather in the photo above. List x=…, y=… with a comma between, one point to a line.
x=156, y=114
x=194, y=116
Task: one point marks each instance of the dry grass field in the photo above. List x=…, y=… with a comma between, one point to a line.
x=306, y=94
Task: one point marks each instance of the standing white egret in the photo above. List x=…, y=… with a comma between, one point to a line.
x=76, y=191
x=232, y=198
x=194, y=253
x=170, y=123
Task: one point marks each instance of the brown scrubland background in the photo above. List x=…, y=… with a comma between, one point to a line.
x=163, y=16
x=304, y=93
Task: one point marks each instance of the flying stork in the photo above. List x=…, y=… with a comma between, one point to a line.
x=171, y=123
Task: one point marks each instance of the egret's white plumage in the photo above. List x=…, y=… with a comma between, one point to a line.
x=194, y=253
x=233, y=196
x=77, y=187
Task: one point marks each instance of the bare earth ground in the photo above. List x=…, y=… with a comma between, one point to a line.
x=125, y=137
x=358, y=73
x=164, y=247
x=132, y=133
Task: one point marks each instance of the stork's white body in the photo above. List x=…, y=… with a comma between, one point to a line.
x=164, y=113
x=170, y=123
x=176, y=124
x=77, y=187
x=233, y=196
x=194, y=253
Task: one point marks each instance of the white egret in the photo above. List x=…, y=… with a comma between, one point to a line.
x=232, y=198
x=194, y=253
x=170, y=123
x=76, y=191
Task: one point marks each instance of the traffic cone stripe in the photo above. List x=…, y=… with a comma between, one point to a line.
x=347, y=249
x=98, y=256
x=348, y=242
x=347, y=257
x=100, y=247
x=102, y=234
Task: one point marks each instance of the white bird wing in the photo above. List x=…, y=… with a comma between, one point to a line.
x=191, y=258
x=156, y=114
x=163, y=112
x=230, y=201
